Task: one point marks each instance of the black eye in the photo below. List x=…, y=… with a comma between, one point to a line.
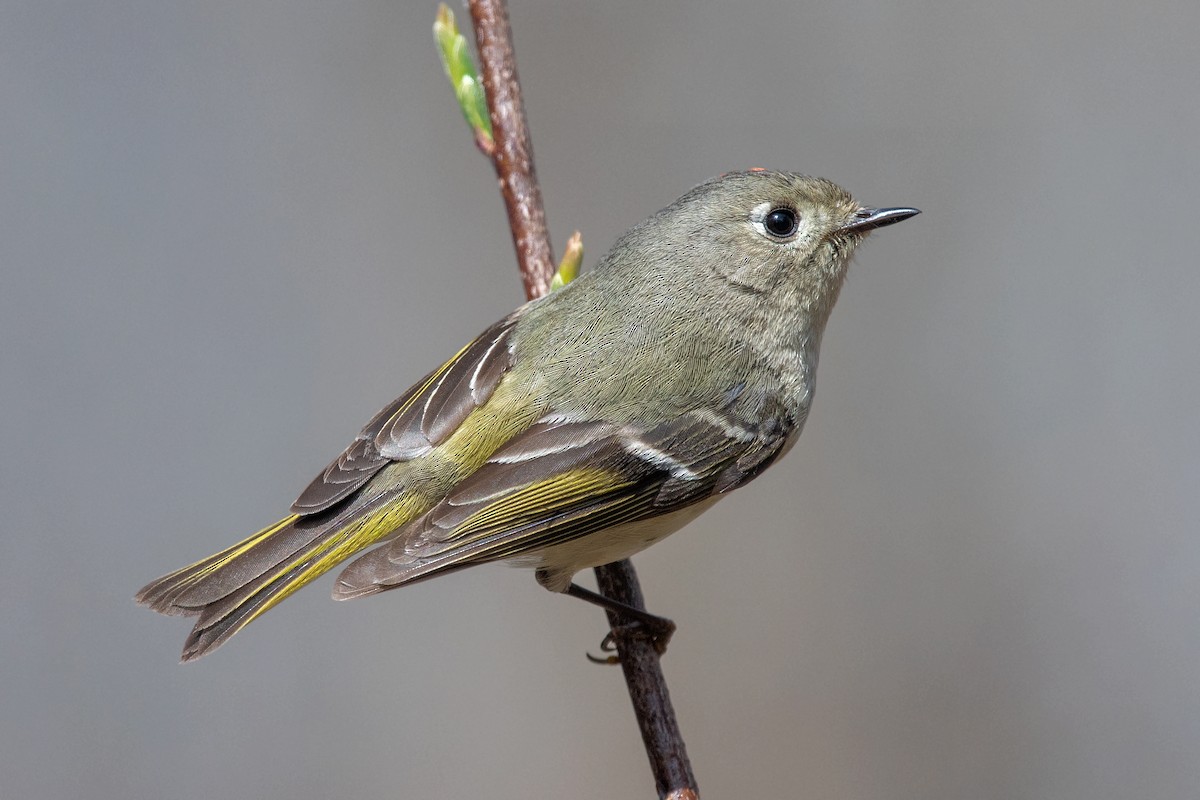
x=781, y=222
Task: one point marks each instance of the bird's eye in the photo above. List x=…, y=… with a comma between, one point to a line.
x=781, y=222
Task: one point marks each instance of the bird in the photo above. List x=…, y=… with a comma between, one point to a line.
x=582, y=427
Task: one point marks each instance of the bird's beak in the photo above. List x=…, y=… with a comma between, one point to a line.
x=868, y=219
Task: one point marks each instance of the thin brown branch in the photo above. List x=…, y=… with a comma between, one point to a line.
x=513, y=153
x=513, y=160
x=647, y=687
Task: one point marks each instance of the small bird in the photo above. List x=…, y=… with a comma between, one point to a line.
x=582, y=427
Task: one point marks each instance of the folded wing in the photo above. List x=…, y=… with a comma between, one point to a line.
x=334, y=518
x=563, y=479
x=417, y=421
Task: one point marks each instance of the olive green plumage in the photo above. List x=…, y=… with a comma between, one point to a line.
x=582, y=427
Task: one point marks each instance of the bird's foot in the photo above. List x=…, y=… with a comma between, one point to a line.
x=659, y=632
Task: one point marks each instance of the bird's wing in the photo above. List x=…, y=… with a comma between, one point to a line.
x=417, y=421
x=560, y=480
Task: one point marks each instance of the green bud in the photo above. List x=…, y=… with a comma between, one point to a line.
x=568, y=268
x=455, y=53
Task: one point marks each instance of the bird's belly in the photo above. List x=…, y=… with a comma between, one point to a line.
x=561, y=561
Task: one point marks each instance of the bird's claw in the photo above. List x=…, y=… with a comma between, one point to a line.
x=607, y=645
x=659, y=636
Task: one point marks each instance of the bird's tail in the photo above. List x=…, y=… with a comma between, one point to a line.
x=229, y=590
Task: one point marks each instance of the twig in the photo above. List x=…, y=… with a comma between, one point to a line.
x=512, y=157
x=513, y=152
x=647, y=688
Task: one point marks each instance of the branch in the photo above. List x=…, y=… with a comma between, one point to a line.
x=512, y=156
x=648, y=688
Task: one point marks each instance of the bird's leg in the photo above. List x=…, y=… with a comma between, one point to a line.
x=657, y=629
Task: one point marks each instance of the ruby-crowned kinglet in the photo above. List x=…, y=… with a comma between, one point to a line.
x=582, y=427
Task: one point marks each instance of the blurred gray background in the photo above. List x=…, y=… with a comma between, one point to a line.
x=232, y=230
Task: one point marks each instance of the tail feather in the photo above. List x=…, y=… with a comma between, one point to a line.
x=167, y=594
x=223, y=619
x=290, y=537
x=230, y=589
